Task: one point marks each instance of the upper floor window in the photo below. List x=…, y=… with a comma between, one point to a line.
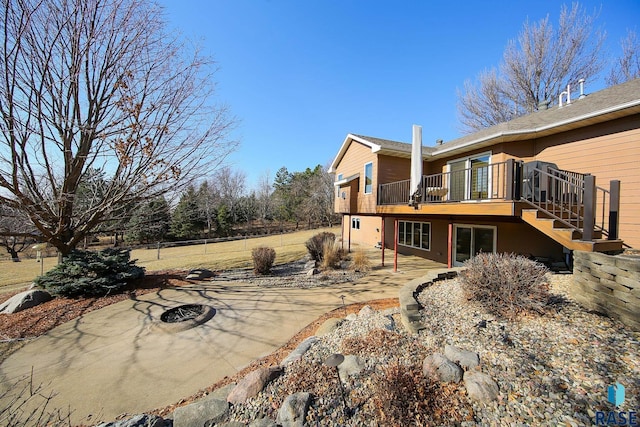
x=338, y=178
x=368, y=178
x=355, y=223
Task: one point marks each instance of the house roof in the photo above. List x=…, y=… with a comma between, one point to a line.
x=608, y=104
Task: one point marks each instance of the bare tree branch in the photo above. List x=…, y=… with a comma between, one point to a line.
x=627, y=66
x=98, y=85
x=535, y=68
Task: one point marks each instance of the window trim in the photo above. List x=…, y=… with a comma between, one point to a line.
x=365, y=178
x=473, y=227
x=467, y=166
x=355, y=223
x=403, y=224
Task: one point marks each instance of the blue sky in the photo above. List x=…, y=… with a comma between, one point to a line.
x=302, y=74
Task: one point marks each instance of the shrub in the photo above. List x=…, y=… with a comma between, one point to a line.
x=91, y=274
x=263, y=259
x=360, y=261
x=506, y=284
x=316, y=244
x=331, y=255
x=403, y=396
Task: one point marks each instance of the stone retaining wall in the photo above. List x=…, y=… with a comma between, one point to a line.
x=608, y=284
x=409, y=305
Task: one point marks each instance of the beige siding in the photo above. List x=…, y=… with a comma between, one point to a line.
x=368, y=234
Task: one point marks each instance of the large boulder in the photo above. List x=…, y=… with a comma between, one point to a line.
x=253, y=384
x=480, y=387
x=329, y=326
x=24, y=300
x=142, y=420
x=293, y=411
x=464, y=358
x=202, y=413
x=438, y=368
x=351, y=365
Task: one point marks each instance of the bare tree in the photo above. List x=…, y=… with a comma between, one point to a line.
x=16, y=231
x=100, y=85
x=535, y=69
x=230, y=185
x=627, y=66
x=264, y=194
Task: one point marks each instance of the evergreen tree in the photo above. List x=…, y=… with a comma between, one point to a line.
x=187, y=221
x=224, y=221
x=150, y=222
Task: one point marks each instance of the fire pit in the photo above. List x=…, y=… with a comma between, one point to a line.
x=185, y=317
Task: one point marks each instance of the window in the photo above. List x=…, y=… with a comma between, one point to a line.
x=368, y=178
x=355, y=223
x=414, y=234
x=470, y=178
x=338, y=178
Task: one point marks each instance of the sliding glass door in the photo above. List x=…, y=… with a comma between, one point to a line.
x=470, y=178
x=470, y=240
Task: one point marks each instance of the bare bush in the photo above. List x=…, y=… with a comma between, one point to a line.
x=331, y=256
x=506, y=284
x=403, y=396
x=263, y=258
x=360, y=261
x=316, y=244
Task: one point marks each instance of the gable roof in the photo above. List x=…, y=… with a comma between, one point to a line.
x=608, y=104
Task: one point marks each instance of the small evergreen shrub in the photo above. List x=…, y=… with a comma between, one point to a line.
x=506, y=284
x=360, y=261
x=263, y=258
x=91, y=274
x=316, y=244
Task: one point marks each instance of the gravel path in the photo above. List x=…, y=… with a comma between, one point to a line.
x=551, y=370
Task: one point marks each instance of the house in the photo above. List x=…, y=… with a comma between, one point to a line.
x=542, y=185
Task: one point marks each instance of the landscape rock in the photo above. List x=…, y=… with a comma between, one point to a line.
x=221, y=393
x=142, y=420
x=231, y=424
x=352, y=365
x=366, y=311
x=202, y=413
x=302, y=348
x=329, y=326
x=389, y=323
x=352, y=317
x=313, y=272
x=253, y=383
x=293, y=411
x=466, y=359
x=438, y=368
x=24, y=300
x=263, y=422
x=480, y=387
x=200, y=274
x=309, y=265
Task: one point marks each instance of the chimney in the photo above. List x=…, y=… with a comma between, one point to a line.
x=416, y=165
x=438, y=142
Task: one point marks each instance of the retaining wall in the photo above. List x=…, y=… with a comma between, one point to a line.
x=608, y=284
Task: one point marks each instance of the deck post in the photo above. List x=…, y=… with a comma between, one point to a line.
x=382, y=238
x=517, y=178
x=349, y=244
x=614, y=208
x=509, y=178
x=589, y=207
x=450, y=246
x=395, y=245
x=342, y=233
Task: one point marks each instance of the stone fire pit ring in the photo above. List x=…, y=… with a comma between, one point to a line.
x=184, y=317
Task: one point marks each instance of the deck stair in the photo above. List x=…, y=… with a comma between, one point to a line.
x=567, y=236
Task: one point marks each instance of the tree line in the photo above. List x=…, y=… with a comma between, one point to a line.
x=219, y=206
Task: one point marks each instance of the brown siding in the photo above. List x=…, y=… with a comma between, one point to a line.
x=609, y=151
x=512, y=237
x=353, y=162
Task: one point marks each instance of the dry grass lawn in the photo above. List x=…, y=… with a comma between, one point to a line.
x=214, y=256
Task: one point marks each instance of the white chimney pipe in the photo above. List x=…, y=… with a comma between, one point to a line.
x=582, y=95
x=416, y=161
x=568, y=94
x=560, y=99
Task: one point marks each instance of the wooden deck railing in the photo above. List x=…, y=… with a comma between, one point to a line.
x=476, y=183
x=569, y=197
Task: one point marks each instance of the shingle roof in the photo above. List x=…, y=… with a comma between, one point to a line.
x=607, y=104
x=580, y=112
